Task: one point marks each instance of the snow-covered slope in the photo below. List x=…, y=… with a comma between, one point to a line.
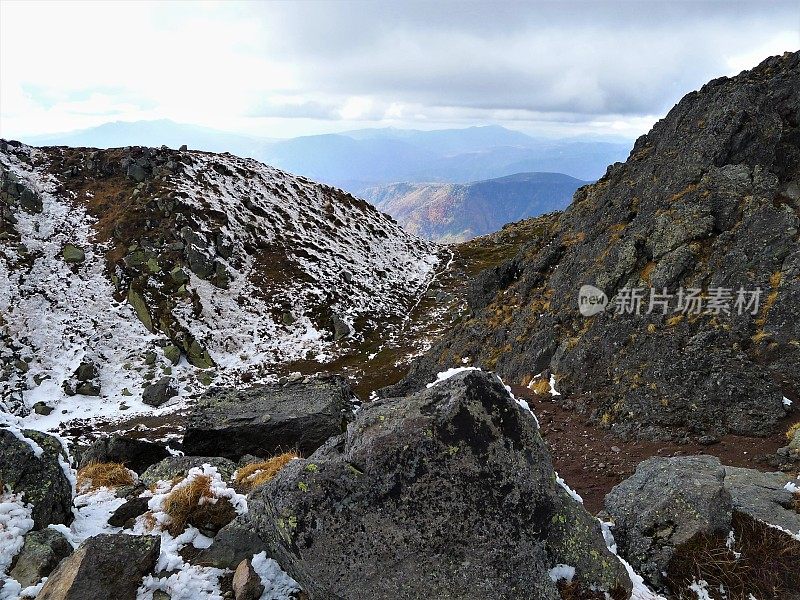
x=140, y=264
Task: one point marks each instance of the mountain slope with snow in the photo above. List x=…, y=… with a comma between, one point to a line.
x=128, y=266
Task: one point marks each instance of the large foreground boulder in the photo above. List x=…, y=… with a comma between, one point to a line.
x=31, y=467
x=449, y=493
x=105, y=566
x=264, y=420
x=137, y=455
x=664, y=505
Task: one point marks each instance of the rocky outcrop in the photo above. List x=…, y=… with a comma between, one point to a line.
x=707, y=200
x=265, y=420
x=41, y=479
x=104, y=566
x=675, y=513
x=42, y=552
x=665, y=504
x=135, y=454
x=449, y=493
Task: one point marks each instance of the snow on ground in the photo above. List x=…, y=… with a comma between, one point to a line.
x=277, y=584
x=15, y=522
x=640, y=589
x=92, y=511
x=350, y=258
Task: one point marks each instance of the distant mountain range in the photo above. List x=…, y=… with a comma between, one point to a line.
x=362, y=159
x=450, y=212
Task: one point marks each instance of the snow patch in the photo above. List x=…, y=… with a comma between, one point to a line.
x=277, y=584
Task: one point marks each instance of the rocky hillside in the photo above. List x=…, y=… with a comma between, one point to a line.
x=709, y=203
x=137, y=274
x=450, y=212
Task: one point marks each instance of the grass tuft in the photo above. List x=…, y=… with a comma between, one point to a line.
x=193, y=503
x=765, y=568
x=99, y=474
x=257, y=474
x=790, y=433
x=540, y=387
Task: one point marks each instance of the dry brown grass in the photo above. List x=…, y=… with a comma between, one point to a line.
x=257, y=474
x=99, y=474
x=540, y=387
x=194, y=504
x=766, y=568
x=790, y=433
x=796, y=502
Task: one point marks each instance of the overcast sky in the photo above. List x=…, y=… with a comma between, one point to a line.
x=286, y=69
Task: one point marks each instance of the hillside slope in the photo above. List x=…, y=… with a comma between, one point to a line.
x=709, y=200
x=449, y=212
x=128, y=266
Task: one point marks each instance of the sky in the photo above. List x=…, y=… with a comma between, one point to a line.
x=279, y=69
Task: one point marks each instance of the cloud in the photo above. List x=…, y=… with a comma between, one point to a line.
x=589, y=66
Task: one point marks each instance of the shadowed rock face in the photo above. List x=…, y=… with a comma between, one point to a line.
x=449, y=493
x=264, y=420
x=709, y=199
x=41, y=480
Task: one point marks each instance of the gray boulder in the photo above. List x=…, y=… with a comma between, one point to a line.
x=159, y=392
x=175, y=466
x=448, y=494
x=41, y=480
x=763, y=496
x=126, y=514
x=137, y=455
x=663, y=505
x=42, y=552
x=263, y=420
x=234, y=543
x=104, y=566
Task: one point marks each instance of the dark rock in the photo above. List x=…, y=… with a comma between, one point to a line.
x=175, y=466
x=156, y=394
x=104, y=566
x=137, y=455
x=42, y=552
x=663, y=505
x=704, y=201
x=86, y=371
x=246, y=582
x=40, y=408
x=453, y=487
x=183, y=148
x=341, y=329
x=41, y=480
x=263, y=420
x=234, y=543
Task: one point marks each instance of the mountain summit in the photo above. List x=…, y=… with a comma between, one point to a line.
x=706, y=206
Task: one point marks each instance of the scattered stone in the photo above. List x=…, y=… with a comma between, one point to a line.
x=433, y=484
x=263, y=420
x=172, y=353
x=73, y=254
x=140, y=308
x=41, y=408
x=41, y=480
x=341, y=329
x=156, y=394
x=183, y=148
x=137, y=455
x=234, y=543
x=42, y=552
x=246, y=582
x=127, y=513
x=104, y=566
